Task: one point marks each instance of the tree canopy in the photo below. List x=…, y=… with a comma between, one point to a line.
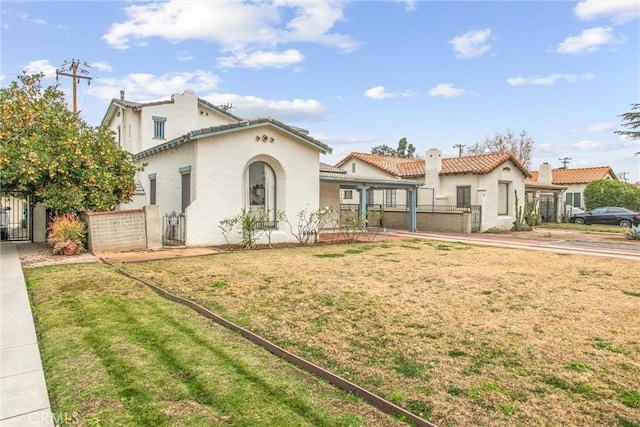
x=632, y=123
x=611, y=192
x=521, y=145
x=53, y=156
x=404, y=149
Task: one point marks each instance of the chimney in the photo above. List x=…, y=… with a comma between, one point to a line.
x=545, y=175
x=432, y=167
x=121, y=94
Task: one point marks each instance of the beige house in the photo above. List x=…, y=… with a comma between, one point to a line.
x=207, y=165
x=487, y=183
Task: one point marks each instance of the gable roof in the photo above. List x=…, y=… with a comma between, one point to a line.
x=577, y=175
x=411, y=168
x=137, y=106
x=480, y=164
x=397, y=166
x=235, y=127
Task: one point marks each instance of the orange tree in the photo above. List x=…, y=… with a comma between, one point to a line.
x=49, y=153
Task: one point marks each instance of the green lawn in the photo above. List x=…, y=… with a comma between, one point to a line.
x=115, y=353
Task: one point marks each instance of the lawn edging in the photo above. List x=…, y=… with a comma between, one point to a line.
x=336, y=380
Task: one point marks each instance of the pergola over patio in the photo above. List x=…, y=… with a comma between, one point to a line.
x=331, y=174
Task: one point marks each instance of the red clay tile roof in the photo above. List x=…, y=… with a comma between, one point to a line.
x=396, y=166
x=480, y=164
x=577, y=176
x=409, y=168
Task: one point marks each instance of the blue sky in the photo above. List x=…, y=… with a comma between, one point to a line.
x=359, y=73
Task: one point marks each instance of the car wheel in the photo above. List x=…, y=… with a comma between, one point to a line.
x=579, y=221
x=625, y=223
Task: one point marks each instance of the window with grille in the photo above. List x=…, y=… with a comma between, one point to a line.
x=574, y=199
x=152, y=190
x=158, y=127
x=390, y=198
x=185, y=173
x=463, y=197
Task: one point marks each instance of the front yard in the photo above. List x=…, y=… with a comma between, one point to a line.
x=459, y=334
x=117, y=354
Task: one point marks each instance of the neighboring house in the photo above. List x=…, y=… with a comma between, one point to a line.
x=575, y=181
x=548, y=196
x=488, y=182
x=202, y=161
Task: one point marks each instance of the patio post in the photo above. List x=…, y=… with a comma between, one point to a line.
x=412, y=194
x=363, y=205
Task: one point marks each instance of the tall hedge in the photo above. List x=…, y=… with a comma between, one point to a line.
x=611, y=192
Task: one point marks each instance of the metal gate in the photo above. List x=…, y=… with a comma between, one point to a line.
x=548, y=209
x=173, y=229
x=15, y=216
x=476, y=218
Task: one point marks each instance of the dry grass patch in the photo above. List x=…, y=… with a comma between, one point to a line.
x=461, y=334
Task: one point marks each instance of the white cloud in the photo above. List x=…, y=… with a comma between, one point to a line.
x=471, y=44
x=600, y=127
x=589, y=41
x=236, y=26
x=409, y=5
x=145, y=87
x=619, y=11
x=248, y=106
x=588, y=145
x=333, y=139
x=261, y=59
x=378, y=92
x=548, y=80
x=41, y=66
x=26, y=18
x=102, y=66
x=446, y=90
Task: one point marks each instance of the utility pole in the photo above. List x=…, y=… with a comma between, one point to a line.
x=565, y=161
x=623, y=176
x=71, y=69
x=459, y=147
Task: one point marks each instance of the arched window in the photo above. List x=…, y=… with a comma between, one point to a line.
x=261, y=181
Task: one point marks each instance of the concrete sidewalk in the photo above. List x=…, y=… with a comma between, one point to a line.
x=23, y=392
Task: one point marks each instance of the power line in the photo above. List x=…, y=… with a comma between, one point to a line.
x=76, y=71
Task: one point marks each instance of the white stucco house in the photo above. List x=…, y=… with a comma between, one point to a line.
x=489, y=182
x=202, y=161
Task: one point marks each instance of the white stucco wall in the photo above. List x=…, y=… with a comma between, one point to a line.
x=330, y=197
x=575, y=188
x=220, y=190
x=182, y=115
x=166, y=166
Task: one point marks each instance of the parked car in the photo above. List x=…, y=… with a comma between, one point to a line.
x=607, y=215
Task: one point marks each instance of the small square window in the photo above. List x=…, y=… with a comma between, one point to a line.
x=348, y=194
